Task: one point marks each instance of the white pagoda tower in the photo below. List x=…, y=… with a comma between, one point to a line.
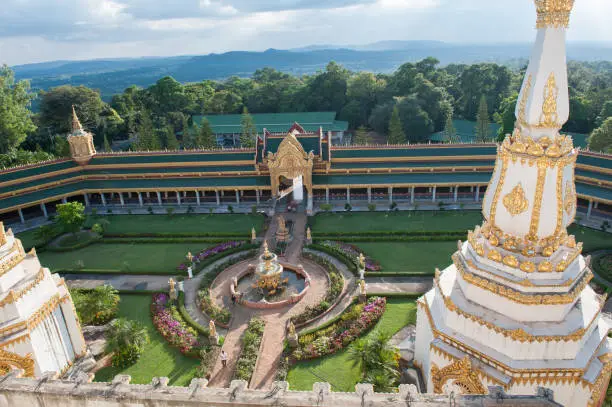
x=515, y=309
x=39, y=329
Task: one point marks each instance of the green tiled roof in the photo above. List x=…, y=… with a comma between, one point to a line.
x=187, y=156
x=41, y=169
x=40, y=181
x=425, y=164
x=309, y=144
x=275, y=122
x=593, y=174
x=415, y=178
x=595, y=161
x=417, y=151
x=594, y=191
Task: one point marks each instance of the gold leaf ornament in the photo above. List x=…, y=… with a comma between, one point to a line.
x=515, y=201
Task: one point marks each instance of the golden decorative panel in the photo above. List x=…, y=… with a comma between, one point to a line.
x=9, y=361
x=523, y=103
x=2, y=234
x=549, y=117
x=462, y=375
x=569, y=202
x=515, y=201
x=553, y=13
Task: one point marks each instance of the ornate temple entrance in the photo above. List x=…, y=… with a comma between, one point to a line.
x=291, y=171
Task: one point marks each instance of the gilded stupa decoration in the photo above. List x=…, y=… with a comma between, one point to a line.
x=515, y=202
x=549, y=117
x=82, y=148
x=462, y=375
x=553, y=13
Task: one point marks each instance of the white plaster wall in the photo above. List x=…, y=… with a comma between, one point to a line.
x=490, y=192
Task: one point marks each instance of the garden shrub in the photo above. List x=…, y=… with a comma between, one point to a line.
x=126, y=356
x=187, y=318
x=348, y=262
x=251, y=340
x=97, y=306
x=208, y=306
x=371, y=207
x=208, y=357
x=126, y=339
x=326, y=207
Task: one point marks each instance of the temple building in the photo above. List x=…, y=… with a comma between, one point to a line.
x=227, y=127
x=514, y=309
x=39, y=328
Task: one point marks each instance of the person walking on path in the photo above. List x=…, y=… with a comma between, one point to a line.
x=223, y=358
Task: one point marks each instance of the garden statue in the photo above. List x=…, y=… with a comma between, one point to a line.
x=173, y=293
x=189, y=257
x=361, y=260
x=212, y=330
x=362, y=291
x=253, y=235
x=308, y=235
x=190, y=272
x=281, y=223
x=292, y=338
x=282, y=234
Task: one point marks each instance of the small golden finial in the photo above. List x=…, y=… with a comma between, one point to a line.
x=553, y=13
x=76, y=124
x=266, y=251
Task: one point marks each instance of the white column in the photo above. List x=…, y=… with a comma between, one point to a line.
x=257, y=195
x=148, y=194
x=44, y=209
x=369, y=194
x=472, y=188
x=218, y=200
x=237, y=197
x=412, y=195
x=64, y=200
x=140, y=199
x=456, y=192
x=103, y=199
x=348, y=195
x=433, y=194
x=129, y=195
x=327, y=195
x=159, y=201
x=178, y=198
x=86, y=199
x=390, y=195
x=595, y=204
x=121, y=198
x=588, y=210
x=477, y=197
x=198, y=197
x=21, y=215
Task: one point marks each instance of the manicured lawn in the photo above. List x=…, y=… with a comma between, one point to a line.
x=27, y=238
x=337, y=368
x=238, y=223
x=410, y=256
x=158, y=359
x=396, y=221
x=592, y=239
x=155, y=258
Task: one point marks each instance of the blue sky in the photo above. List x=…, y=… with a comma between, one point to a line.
x=43, y=30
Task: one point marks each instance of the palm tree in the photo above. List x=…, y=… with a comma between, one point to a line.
x=123, y=333
x=377, y=359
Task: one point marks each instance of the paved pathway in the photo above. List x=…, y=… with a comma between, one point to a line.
x=118, y=281
x=406, y=285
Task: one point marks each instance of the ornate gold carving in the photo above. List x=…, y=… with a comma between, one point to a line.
x=36, y=318
x=511, y=261
x=537, y=202
x=515, y=201
x=517, y=296
x=13, y=296
x=462, y=375
x=9, y=361
x=549, y=117
x=291, y=161
x=569, y=203
x=523, y=103
x=498, y=187
x=14, y=256
x=2, y=234
x=553, y=13
x=494, y=255
x=548, y=251
x=545, y=267
x=528, y=251
x=528, y=267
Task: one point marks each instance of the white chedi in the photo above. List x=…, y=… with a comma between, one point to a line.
x=39, y=328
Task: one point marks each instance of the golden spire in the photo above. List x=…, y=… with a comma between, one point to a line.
x=266, y=251
x=553, y=13
x=76, y=124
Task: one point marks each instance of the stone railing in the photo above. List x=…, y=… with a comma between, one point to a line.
x=50, y=392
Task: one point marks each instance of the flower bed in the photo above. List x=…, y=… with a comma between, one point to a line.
x=353, y=323
x=211, y=251
x=351, y=251
x=168, y=322
x=336, y=284
x=245, y=365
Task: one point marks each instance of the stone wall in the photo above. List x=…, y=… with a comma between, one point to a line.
x=50, y=392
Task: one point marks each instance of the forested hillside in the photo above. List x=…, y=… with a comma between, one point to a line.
x=408, y=105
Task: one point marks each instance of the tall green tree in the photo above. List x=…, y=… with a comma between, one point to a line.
x=482, y=122
x=170, y=142
x=505, y=116
x=450, y=132
x=377, y=360
x=249, y=131
x=206, y=138
x=107, y=146
x=362, y=136
x=71, y=216
x=601, y=138
x=396, y=130
x=15, y=117
x=147, y=137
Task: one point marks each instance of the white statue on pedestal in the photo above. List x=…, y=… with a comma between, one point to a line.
x=190, y=272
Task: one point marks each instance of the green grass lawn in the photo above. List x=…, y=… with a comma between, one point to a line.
x=395, y=221
x=27, y=238
x=197, y=223
x=154, y=258
x=158, y=359
x=410, y=256
x=592, y=239
x=337, y=368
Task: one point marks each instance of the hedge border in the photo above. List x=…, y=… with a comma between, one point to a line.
x=349, y=263
x=183, y=311
x=393, y=238
x=392, y=233
x=148, y=240
x=243, y=236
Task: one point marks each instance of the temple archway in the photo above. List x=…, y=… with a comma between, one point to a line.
x=461, y=374
x=10, y=361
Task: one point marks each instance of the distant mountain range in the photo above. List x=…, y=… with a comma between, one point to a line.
x=112, y=76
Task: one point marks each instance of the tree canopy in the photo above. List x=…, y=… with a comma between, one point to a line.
x=15, y=117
